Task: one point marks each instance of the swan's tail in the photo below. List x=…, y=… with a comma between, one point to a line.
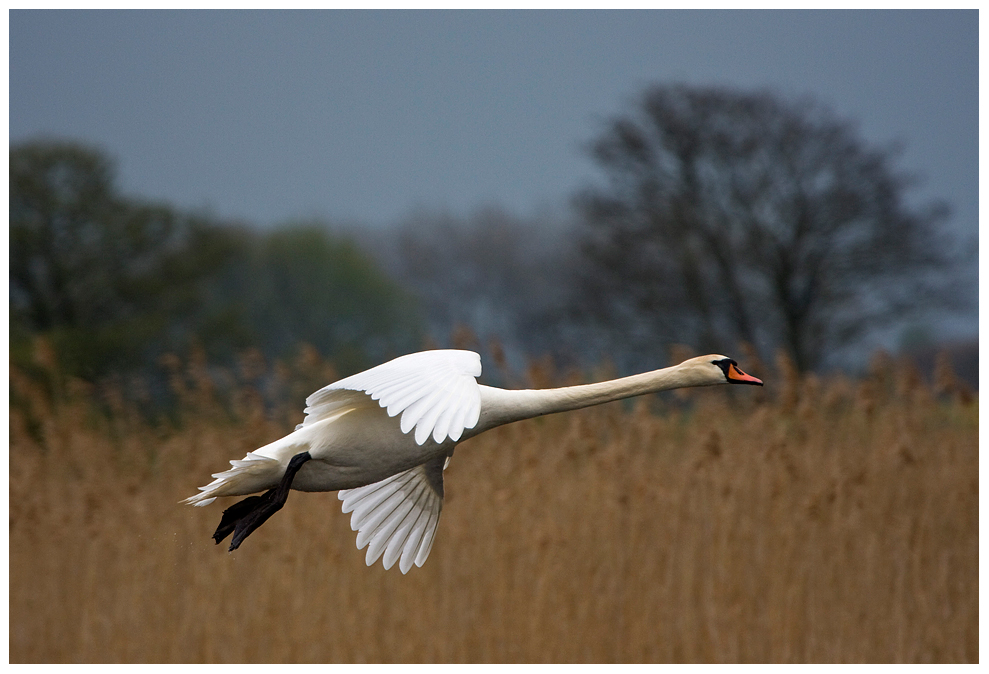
x=251, y=474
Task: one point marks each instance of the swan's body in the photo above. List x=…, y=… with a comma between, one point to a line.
x=353, y=440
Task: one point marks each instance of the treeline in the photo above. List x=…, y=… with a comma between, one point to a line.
x=114, y=282
x=726, y=220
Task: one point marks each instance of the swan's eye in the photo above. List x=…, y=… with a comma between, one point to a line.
x=724, y=364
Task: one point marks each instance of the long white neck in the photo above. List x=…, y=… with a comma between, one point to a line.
x=501, y=406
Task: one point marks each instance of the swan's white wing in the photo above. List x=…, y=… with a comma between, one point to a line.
x=435, y=392
x=398, y=516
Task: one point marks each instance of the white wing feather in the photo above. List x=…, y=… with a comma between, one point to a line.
x=397, y=517
x=436, y=393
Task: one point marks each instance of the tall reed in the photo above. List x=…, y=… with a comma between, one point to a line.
x=820, y=520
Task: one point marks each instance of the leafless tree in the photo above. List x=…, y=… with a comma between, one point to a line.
x=730, y=216
x=501, y=276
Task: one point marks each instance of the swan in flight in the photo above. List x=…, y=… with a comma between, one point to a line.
x=389, y=471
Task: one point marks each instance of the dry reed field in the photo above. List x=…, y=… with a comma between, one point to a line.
x=812, y=521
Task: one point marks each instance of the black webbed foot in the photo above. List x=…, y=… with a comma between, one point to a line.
x=243, y=517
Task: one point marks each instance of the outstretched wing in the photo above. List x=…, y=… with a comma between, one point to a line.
x=436, y=393
x=399, y=515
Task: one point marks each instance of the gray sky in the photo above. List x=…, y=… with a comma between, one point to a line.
x=367, y=115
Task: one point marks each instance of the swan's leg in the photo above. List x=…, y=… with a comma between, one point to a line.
x=245, y=516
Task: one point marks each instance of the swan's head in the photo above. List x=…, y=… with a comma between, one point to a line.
x=715, y=369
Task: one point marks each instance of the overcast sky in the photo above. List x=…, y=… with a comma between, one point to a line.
x=365, y=116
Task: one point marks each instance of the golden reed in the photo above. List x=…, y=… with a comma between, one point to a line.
x=819, y=520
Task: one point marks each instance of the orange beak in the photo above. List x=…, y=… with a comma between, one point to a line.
x=740, y=377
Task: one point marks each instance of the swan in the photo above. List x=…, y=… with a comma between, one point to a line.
x=389, y=471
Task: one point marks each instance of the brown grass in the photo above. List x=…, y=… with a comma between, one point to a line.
x=814, y=521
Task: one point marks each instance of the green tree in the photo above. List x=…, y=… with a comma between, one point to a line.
x=303, y=283
x=113, y=282
x=108, y=279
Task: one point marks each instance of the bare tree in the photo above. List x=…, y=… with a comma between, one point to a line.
x=501, y=276
x=731, y=216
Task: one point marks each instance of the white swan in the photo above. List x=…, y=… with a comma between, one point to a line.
x=390, y=478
